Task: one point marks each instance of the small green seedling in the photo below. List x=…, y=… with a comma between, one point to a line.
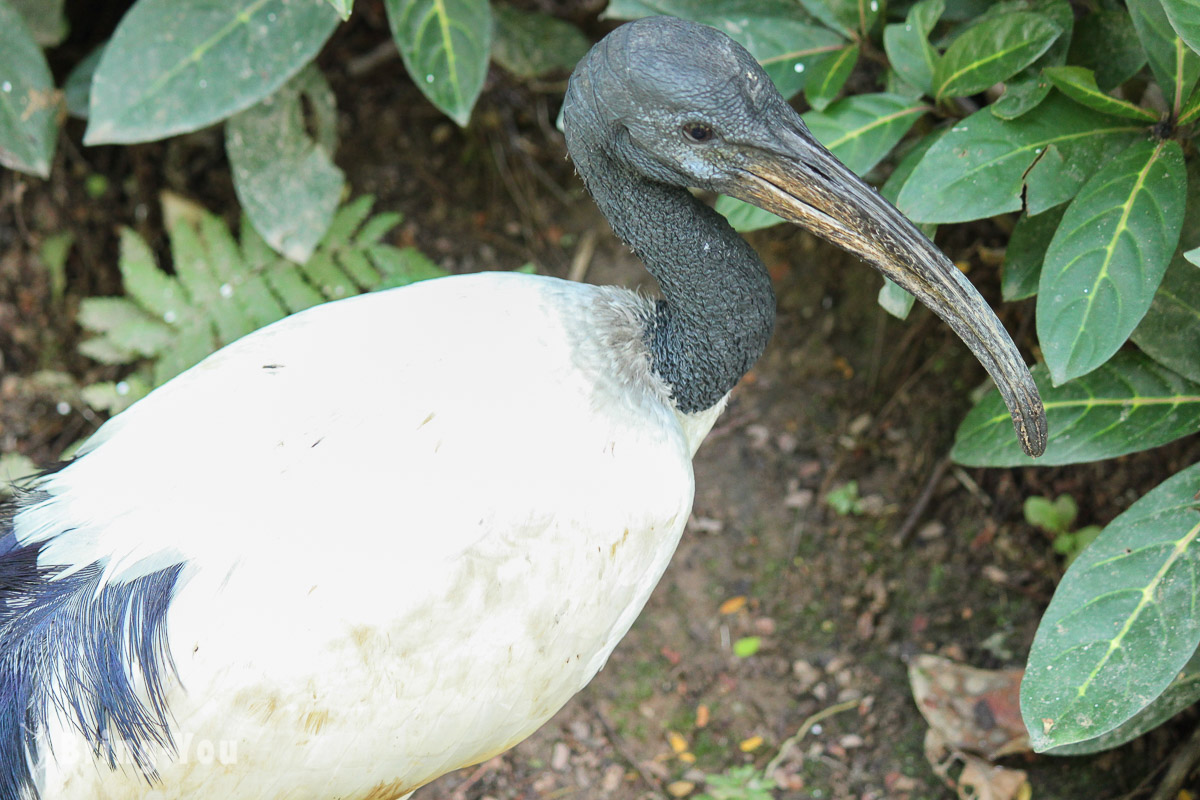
x=845, y=499
x=1056, y=518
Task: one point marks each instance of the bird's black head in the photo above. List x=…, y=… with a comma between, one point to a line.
x=675, y=100
x=672, y=102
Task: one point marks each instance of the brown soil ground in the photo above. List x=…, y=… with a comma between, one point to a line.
x=845, y=393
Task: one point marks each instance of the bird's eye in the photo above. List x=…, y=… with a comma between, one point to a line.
x=698, y=132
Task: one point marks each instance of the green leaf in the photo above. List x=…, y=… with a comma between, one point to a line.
x=1106, y=43
x=45, y=19
x=28, y=101
x=1108, y=257
x=991, y=51
x=1184, y=16
x=1129, y=404
x=859, y=130
x=985, y=166
x=1079, y=84
x=1052, y=516
x=53, y=254
x=1026, y=251
x=401, y=266
x=175, y=66
x=342, y=7
x=895, y=299
x=77, y=91
x=1025, y=90
x=828, y=75
x=1190, y=111
x=445, y=45
x=1170, y=331
x=1175, y=66
x=14, y=469
x=153, y=289
x=747, y=646
x=854, y=18
x=283, y=168
x=1182, y=692
x=222, y=291
x=530, y=43
x=113, y=397
x=1122, y=623
x=772, y=31
x=907, y=45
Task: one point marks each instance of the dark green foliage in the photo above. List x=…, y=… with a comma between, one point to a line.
x=1031, y=111
x=223, y=289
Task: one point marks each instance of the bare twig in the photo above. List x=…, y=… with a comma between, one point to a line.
x=786, y=748
x=583, y=255
x=615, y=740
x=918, y=509
x=1184, y=761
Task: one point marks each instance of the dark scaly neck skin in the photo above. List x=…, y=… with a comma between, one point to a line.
x=718, y=307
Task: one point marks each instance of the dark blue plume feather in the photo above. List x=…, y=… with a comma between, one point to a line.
x=67, y=644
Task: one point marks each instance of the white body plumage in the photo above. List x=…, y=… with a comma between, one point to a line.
x=396, y=564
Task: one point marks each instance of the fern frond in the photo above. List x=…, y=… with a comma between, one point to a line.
x=223, y=288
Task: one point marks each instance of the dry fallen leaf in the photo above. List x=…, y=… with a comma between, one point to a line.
x=733, y=605
x=751, y=744
x=680, y=788
x=976, y=710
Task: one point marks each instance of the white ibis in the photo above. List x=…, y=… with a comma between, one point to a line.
x=391, y=536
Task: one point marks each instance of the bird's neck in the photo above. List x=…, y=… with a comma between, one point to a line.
x=718, y=308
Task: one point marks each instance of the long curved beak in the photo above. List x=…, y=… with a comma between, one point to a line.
x=798, y=179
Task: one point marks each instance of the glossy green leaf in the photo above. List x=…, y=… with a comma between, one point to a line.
x=1190, y=111
x=985, y=166
x=45, y=19
x=28, y=100
x=1079, y=84
x=1108, y=257
x=1170, y=331
x=828, y=75
x=530, y=43
x=285, y=177
x=1106, y=43
x=1122, y=623
x=745, y=216
x=859, y=130
x=863, y=129
x=907, y=44
x=840, y=15
x=991, y=51
x=174, y=66
x=1184, y=16
x=783, y=41
x=1182, y=692
x=342, y=7
x=445, y=45
x=1025, y=253
x=1129, y=404
x=77, y=91
x=1022, y=93
x=1176, y=67
x=1026, y=89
